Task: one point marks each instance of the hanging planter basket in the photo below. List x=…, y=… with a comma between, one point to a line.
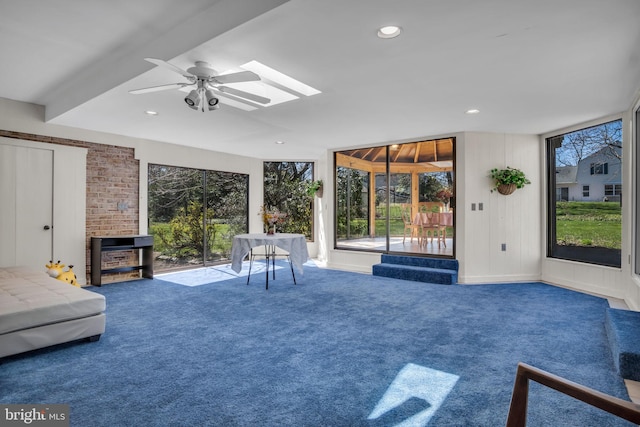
x=314, y=188
x=506, y=189
x=507, y=180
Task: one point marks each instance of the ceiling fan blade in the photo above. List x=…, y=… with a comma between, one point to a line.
x=159, y=88
x=242, y=76
x=170, y=66
x=243, y=94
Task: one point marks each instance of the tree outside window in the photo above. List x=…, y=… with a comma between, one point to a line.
x=285, y=188
x=194, y=214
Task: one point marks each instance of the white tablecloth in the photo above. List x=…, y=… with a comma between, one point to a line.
x=295, y=244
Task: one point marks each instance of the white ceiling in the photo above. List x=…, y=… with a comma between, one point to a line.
x=528, y=66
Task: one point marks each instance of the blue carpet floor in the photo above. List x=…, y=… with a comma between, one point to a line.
x=338, y=349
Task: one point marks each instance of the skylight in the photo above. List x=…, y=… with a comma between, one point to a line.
x=280, y=78
x=274, y=85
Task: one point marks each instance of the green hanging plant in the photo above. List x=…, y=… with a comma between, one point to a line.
x=506, y=181
x=314, y=187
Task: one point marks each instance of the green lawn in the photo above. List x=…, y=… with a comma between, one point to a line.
x=589, y=224
x=578, y=223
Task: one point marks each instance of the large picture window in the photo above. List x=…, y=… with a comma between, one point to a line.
x=194, y=214
x=285, y=188
x=585, y=189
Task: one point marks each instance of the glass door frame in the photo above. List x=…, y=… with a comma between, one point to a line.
x=420, y=192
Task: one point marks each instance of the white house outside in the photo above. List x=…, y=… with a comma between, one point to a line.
x=597, y=177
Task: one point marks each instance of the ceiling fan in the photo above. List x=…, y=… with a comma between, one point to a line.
x=206, y=82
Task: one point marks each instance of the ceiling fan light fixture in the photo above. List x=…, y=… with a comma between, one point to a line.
x=212, y=101
x=207, y=80
x=193, y=99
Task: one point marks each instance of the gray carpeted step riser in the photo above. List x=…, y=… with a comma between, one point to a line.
x=437, y=276
x=448, y=264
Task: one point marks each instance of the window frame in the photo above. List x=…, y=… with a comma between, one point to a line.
x=312, y=224
x=379, y=189
x=569, y=254
x=205, y=190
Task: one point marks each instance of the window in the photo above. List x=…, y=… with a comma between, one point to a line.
x=587, y=229
x=380, y=190
x=285, y=188
x=599, y=168
x=613, y=190
x=194, y=214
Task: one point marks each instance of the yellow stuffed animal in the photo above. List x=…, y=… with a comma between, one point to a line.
x=56, y=271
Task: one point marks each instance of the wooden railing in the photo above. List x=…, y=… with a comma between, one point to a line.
x=518, y=408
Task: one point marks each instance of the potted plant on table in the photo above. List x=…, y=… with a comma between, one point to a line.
x=506, y=181
x=444, y=195
x=271, y=217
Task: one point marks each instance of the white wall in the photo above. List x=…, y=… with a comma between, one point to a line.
x=512, y=220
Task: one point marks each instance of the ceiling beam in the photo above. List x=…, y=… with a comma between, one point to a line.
x=119, y=67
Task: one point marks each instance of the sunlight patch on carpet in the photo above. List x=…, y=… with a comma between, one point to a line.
x=206, y=275
x=415, y=382
x=220, y=273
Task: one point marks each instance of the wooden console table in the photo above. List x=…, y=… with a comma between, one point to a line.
x=121, y=243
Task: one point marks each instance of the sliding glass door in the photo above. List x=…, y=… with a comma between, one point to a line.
x=386, y=195
x=194, y=214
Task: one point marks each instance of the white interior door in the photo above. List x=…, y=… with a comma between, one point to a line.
x=27, y=209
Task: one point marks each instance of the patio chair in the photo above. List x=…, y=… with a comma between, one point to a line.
x=430, y=225
x=270, y=252
x=409, y=224
x=446, y=220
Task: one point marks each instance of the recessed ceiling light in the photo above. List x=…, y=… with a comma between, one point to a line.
x=472, y=111
x=389, y=32
x=279, y=142
x=151, y=113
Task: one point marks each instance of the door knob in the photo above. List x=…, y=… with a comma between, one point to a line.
x=46, y=227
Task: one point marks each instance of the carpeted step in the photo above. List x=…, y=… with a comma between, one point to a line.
x=416, y=273
x=623, y=332
x=441, y=263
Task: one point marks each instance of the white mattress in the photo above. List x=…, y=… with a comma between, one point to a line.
x=31, y=299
